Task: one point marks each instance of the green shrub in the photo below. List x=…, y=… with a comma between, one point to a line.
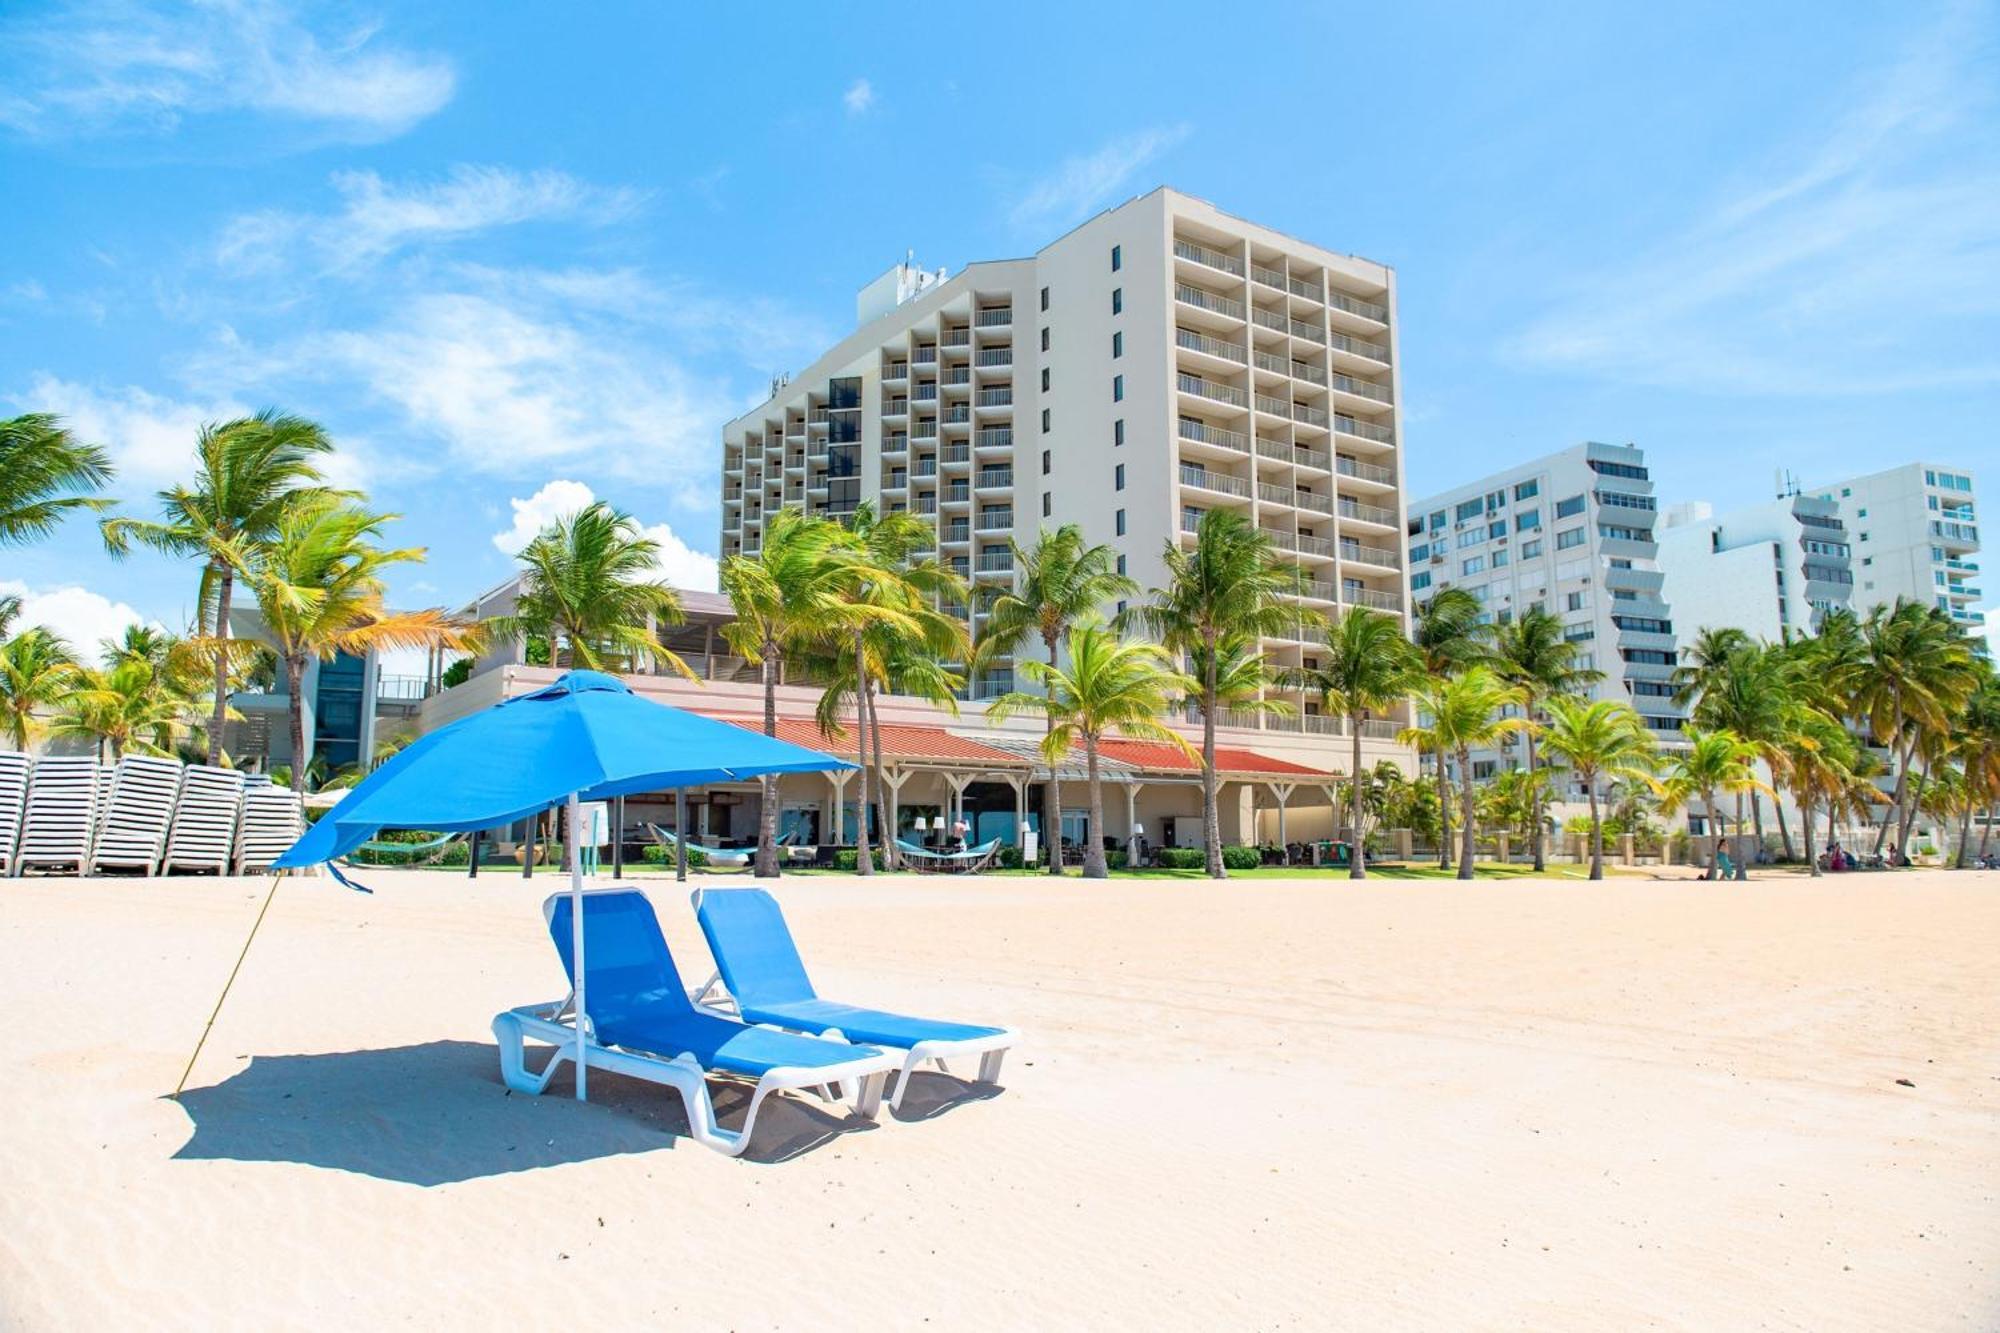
x=653, y=854
x=1116, y=859
x=1241, y=858
x=847, y=858
x=456, y=854
x=1010, y=858
x=1182, y=858
x=656, y=855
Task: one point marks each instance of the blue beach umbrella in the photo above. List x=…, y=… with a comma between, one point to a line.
x=585, y=737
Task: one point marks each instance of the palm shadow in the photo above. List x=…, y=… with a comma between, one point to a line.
x=437, y=1114
x=931, y=1094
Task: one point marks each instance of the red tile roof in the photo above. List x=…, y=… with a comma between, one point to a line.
x=900, y=740
x=1157, y=756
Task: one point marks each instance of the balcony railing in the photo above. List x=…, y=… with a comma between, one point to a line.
x=957, y=337
x=899, y=371
x=1216, y=435
x=990, y=477
x=1388, y=557
x=957, y=453
x=996, y=562
x=1374, y=351
x=996, y=318
x=958, y=530
x=957, y=414
x=1206, y=300
x=1284, y=365
x=1216, y=347
x=997, y=520
x=1366, y=513
x=1215, y=259
x=1215, y=481
x=1361, y=388
x=1312, y=416
x=1362, y=430
x=926, y=504
x=957, y=375
x=1221, y=393
x=1354, y=305
x=996, y=397
x=1270, y=277
x=1350, y=467
x=995, y=356
x=896, y=444
x=1381, y=601
x=926, y=467
x=1315, y=546
x=924, y=356
x=1319, y=589
x=1277, y=407
x=1300, y=287
x=994, y=437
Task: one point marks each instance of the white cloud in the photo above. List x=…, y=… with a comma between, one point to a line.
x=77, y=615
x=679, y=563
x=377, y=218
x=859, y=96
x=125, y=65
x=1082, y=183
x=151, y=438
x=1879, y=235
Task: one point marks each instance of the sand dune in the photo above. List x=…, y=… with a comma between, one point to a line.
x=1509, y=1105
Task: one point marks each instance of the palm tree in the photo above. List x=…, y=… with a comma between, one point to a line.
x=1816, y=759
x=1914, y=674
x=247, y=470
x=318, y=584
x=1704, y=660
x=1450, y=636
x=1057, y=582
x=1594, y=740
x=1230, y=585
x=125, y=708
x=1107, y=685
x=789, y=596
x=37, y=671
x=1532, y=655
x=10, y=611
x=1752, y=692
x=1464, y=715
x=592, y=587
x=1714, y=763
x=45, y=474
x=1368, y=668
x=1980, y=748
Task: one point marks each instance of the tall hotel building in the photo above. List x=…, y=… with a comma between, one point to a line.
x=1570, y=533
x=1773, y=570
x=1161, y=360
x=1915, y=535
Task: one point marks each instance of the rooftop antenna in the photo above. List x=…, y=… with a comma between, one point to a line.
x=1788, y=483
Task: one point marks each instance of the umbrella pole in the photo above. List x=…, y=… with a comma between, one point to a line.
x=618, y=839
x=680, y=834
x=213, y=1013
x=576, y=939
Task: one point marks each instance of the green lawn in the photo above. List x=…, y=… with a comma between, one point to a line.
x=1482, y=870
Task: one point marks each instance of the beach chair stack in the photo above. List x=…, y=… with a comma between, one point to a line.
x=269, y=820
x=203, y=836
x=14, y=768
x=132, y=831
x=60, y=818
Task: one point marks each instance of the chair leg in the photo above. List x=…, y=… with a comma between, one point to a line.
x=989, y=1065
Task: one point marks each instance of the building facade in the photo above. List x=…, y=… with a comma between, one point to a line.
x=1772, y=570
x=1916, y=536
x=1159, y=361
x=1573, y=534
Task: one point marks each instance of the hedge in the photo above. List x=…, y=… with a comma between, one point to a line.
x=1181, y=858
x=1241, y=858
x=848, y=858
x=653, y=854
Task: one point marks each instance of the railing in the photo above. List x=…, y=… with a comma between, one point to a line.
x=1201, y=254
x=1270, y=277
x=895, y=407
x=996, y=476
x=1361, y=347
x=1381, y=601
x=995, y=356
x=1350, y=467
x=995, y=318
x=1284, y=541
x=1277, y=407
x=899, y=371
x=994, y=437
x=1312, y=416
x=402, y=688
x=926, y=467
x=1314, y=546
x=957, y=414
x=1319, y=589
x=1283, y=495
x=818, y=417
x=1215, y=481
x=1207, y=300
x=958, y=531
x=1366, y=513
x=957, y=453
x=957, y=375
x=1361, y=388
x=1354, y=305
x=926, y=504
x=959, y=492
x=1313, y=500
x=925, y=393
x=1221, y=393
x=924, y=431
x=1300, y=287
x=1275, y=320
x=896, y=444
x=1201, y=342
x=996, y=562
x=996, y=397
x=997, y=521
x=1363, y=430
x=1388, y=557
x=957, y=337
x=1284, y=365
x=925, y=356
x=1216, y=435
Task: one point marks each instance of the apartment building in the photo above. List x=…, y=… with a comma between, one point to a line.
x=1915, y=534
x=1573, y=534
x=1159, y=361
x=1771, y=570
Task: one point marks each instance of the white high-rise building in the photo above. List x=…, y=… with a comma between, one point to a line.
x=1573, y=534
x=1772, y=570
x=1915, y=533
x=1160, y=360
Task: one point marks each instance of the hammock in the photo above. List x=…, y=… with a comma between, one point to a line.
x=926, y=860
x=426, y=850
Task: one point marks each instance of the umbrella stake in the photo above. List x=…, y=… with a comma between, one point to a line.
x=213, y=1013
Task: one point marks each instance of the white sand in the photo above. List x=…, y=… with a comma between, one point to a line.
x=1498, y=1106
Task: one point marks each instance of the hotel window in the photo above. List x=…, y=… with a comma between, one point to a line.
x=1566, y=540
x=1045, y=421
x=1527, y=490
x=1573, y=505
x=1573, y=601
x=1469, y=509
x=1418, y=582
x=1117, y=300
x=1045, y=298
x=1121, y=566
x=1121, y=523
x=1473, y=565
x=1470, y=537
x=1496, y=500
x=1497, y=529
x=1117, y=388
x=1045, y=379
x=1045, y=506
x=1529, y=550
x=1045, y=462
x=1118, y=484
x=1500, y=559
x=1118, y=432
x=1117, y=345
x=1045, y=340
x=1531, y=518
x=1117, y=258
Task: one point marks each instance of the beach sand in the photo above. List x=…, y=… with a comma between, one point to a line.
x=1267, y=1104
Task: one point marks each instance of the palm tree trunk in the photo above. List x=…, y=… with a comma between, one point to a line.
x=1964, y=831
x=1052, y=794
x=1093, y=854
x=219, y=714
x=1909, y=820
x=1357, y=855
x=295, y=683
x=864, y=861
x=1467, y=831
x=1902, y=774
x=1444, y=812
x=1596, y=834
x=1535, y=808
x=1715, y=836
x=1742, y=862
x=1211, y=813
x=1778, y=813
x=765, y=864
x=891, y=858
x=1832, y=813
x=1805, y=832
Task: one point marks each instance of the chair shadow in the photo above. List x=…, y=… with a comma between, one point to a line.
x=438, y=1114
x=931, y=1094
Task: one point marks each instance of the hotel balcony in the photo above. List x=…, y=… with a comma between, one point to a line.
x=993, y=437
x=1213, y=437
x=1290, y=366
x=899, y=370
x=1228, y=354
x=1355, y=511
x=1218, y=483
x=1372, y=312
x=1370, y=597
x=1218, y=309
x=1279, y=321
x=1363, y=553
x=996, y=397
x=990, y=357
x=1371, y=393
x=1298, y=455
x=1372, y=473
x=995, y=478
x=995, y=317
x=1361, y=349
x=1212, y=391
x=1357, y=429
x=957, y=453
x=995, y=520
x=1195, y=252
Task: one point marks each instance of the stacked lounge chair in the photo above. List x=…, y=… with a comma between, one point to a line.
x=60, y=818
x=132, y=831
x=270, y=820
x=14, y=768
x=204, y=832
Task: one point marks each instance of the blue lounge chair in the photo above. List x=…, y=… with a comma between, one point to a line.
x=641, y=1023
x=759, y=968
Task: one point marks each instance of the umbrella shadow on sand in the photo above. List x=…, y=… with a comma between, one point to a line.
x=437, y=1113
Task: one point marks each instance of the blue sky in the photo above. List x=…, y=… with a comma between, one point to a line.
x=495, y=247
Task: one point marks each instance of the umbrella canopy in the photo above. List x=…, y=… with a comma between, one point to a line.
x=585, y=735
